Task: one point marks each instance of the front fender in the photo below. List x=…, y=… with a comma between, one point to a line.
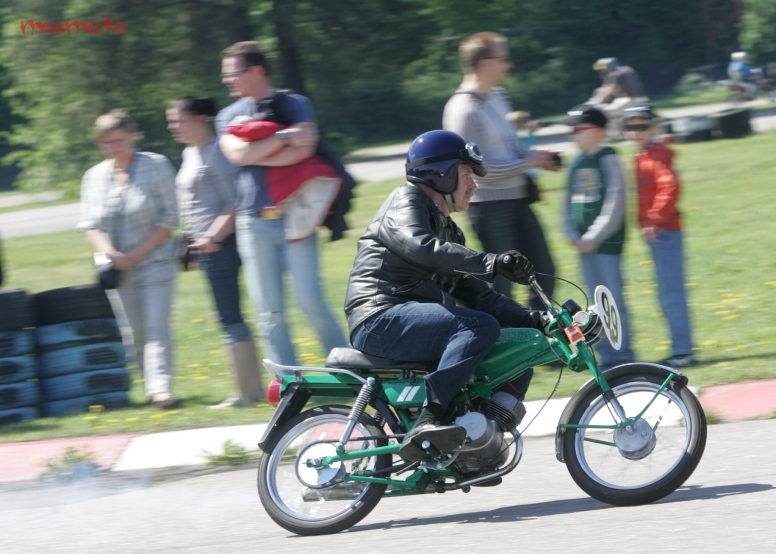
x=656, y=369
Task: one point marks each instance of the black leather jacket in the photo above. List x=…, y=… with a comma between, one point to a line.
x=412, y=252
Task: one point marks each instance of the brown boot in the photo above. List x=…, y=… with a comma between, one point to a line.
x=245, y=366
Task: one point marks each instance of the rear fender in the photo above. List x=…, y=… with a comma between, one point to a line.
x=294, y=399
x=655, y=369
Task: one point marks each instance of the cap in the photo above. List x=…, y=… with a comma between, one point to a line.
x=585, y=115
x=642, y=112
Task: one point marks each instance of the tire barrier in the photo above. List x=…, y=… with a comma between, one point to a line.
x=108, y=401
x=86, y=383
x=85, y=357
x=73, y=333
x=20, y=393
x=73, y=359
x=733, y=123
x=72, y=304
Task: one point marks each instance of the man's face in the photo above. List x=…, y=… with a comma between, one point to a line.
x=498, y=64
x=237, y=78
x=462, y=194
x=117, y=144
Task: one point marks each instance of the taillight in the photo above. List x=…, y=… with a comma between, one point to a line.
x=273, y=392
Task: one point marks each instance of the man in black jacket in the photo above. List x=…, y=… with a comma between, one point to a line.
x=417, y=293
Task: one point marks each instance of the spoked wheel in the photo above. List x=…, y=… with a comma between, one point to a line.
x=309, y=498
x=642, y=464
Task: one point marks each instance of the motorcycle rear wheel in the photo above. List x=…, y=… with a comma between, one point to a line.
x=664, y=455
x=284, y=477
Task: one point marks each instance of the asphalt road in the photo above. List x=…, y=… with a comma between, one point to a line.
x=726, y=506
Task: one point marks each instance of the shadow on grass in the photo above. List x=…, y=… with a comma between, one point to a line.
x=709, y=361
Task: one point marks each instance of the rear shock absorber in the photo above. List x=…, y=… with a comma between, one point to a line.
x=362, y=401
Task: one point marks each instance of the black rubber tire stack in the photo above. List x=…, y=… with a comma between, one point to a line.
x=20, y=393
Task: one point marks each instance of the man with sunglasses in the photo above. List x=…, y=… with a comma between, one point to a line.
x=418, y=294
x=266, y=254
x=500, y=212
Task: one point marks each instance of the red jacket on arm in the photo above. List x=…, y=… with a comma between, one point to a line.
x=282, y=182
x=658, y=188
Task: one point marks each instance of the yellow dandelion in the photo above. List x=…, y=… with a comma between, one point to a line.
x=100, y=426
x=114, y=421
x=192, y=365
x=197, y=319
x=731, y=317
x=770, y=283
x=96, y=408
x=200, y=377
x=90, y=418
x=710, y=342
x=131, y=419
x=214, y=352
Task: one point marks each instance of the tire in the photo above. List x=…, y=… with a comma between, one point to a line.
x=73, y=333
x=733, y=123
x=290, y=502
x=18, y=415
x=19, y=395
x=109, y=401
x=72, y=304
x=18, y=369
x=17, y=343
x=603, y=472
x=86, y=357
x=16, y=307
x=85, y=384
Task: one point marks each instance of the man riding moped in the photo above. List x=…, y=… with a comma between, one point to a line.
x=417, y=293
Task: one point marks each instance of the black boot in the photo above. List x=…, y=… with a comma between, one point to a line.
x=430, y=437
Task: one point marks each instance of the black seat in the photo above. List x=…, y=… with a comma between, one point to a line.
x=350, y=358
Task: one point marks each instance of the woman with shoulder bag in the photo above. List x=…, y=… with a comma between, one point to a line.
x=128, y=212
x=206, y=183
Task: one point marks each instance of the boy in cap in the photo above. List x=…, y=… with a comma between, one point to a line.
x=594, y=217
x=660, y=221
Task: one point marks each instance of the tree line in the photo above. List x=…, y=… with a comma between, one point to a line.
x=376, y=71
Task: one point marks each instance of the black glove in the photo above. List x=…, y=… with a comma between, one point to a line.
x=514, y=266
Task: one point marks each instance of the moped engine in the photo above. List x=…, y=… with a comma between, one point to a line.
x=487, y=449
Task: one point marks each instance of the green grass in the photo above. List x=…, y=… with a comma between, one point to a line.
x=729, y=227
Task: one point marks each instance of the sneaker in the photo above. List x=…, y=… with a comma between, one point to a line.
x=679, y=360
x=232, y=402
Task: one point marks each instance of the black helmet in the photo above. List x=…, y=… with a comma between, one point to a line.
x=433, y=160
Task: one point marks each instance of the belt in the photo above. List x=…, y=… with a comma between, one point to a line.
x=270, y=213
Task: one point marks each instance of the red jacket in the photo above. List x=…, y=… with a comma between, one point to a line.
x=283, y=182
x=658, y=188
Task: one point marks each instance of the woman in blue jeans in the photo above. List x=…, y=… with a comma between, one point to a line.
x=206, y=186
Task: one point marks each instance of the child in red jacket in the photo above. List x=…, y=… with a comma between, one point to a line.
x=660, y=221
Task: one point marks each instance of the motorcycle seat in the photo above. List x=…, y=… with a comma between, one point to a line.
x=350, y=358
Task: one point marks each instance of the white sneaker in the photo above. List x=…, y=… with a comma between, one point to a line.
x=681, y=360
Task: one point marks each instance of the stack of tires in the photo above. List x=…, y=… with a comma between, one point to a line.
x=732, y=123
x=81, y=356
x=19, y=386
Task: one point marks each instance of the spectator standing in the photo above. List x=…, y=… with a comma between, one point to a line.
x=206, y=188
x=660, y=221
x=594, y=217
x=265, y=251
x=128, y=212
x=500, y=210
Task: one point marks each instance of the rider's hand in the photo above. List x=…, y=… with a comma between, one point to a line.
x=514, y=266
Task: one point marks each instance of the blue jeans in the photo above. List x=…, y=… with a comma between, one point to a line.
x=222, y=269
x=512, y=225
x=668, y=255
x=417, y=332
x=604, y=269
x=266, y=256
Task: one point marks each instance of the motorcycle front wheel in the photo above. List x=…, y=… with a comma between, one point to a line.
x=308, y=499
x=646, y=462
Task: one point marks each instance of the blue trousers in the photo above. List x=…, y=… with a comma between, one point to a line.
x=604, y=269
x=667, y=253
x=458, y=337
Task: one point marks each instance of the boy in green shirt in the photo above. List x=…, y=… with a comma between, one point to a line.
x=594, y=217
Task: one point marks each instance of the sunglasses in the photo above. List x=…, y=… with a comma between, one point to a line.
x=580, y=128
x=637, y=127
